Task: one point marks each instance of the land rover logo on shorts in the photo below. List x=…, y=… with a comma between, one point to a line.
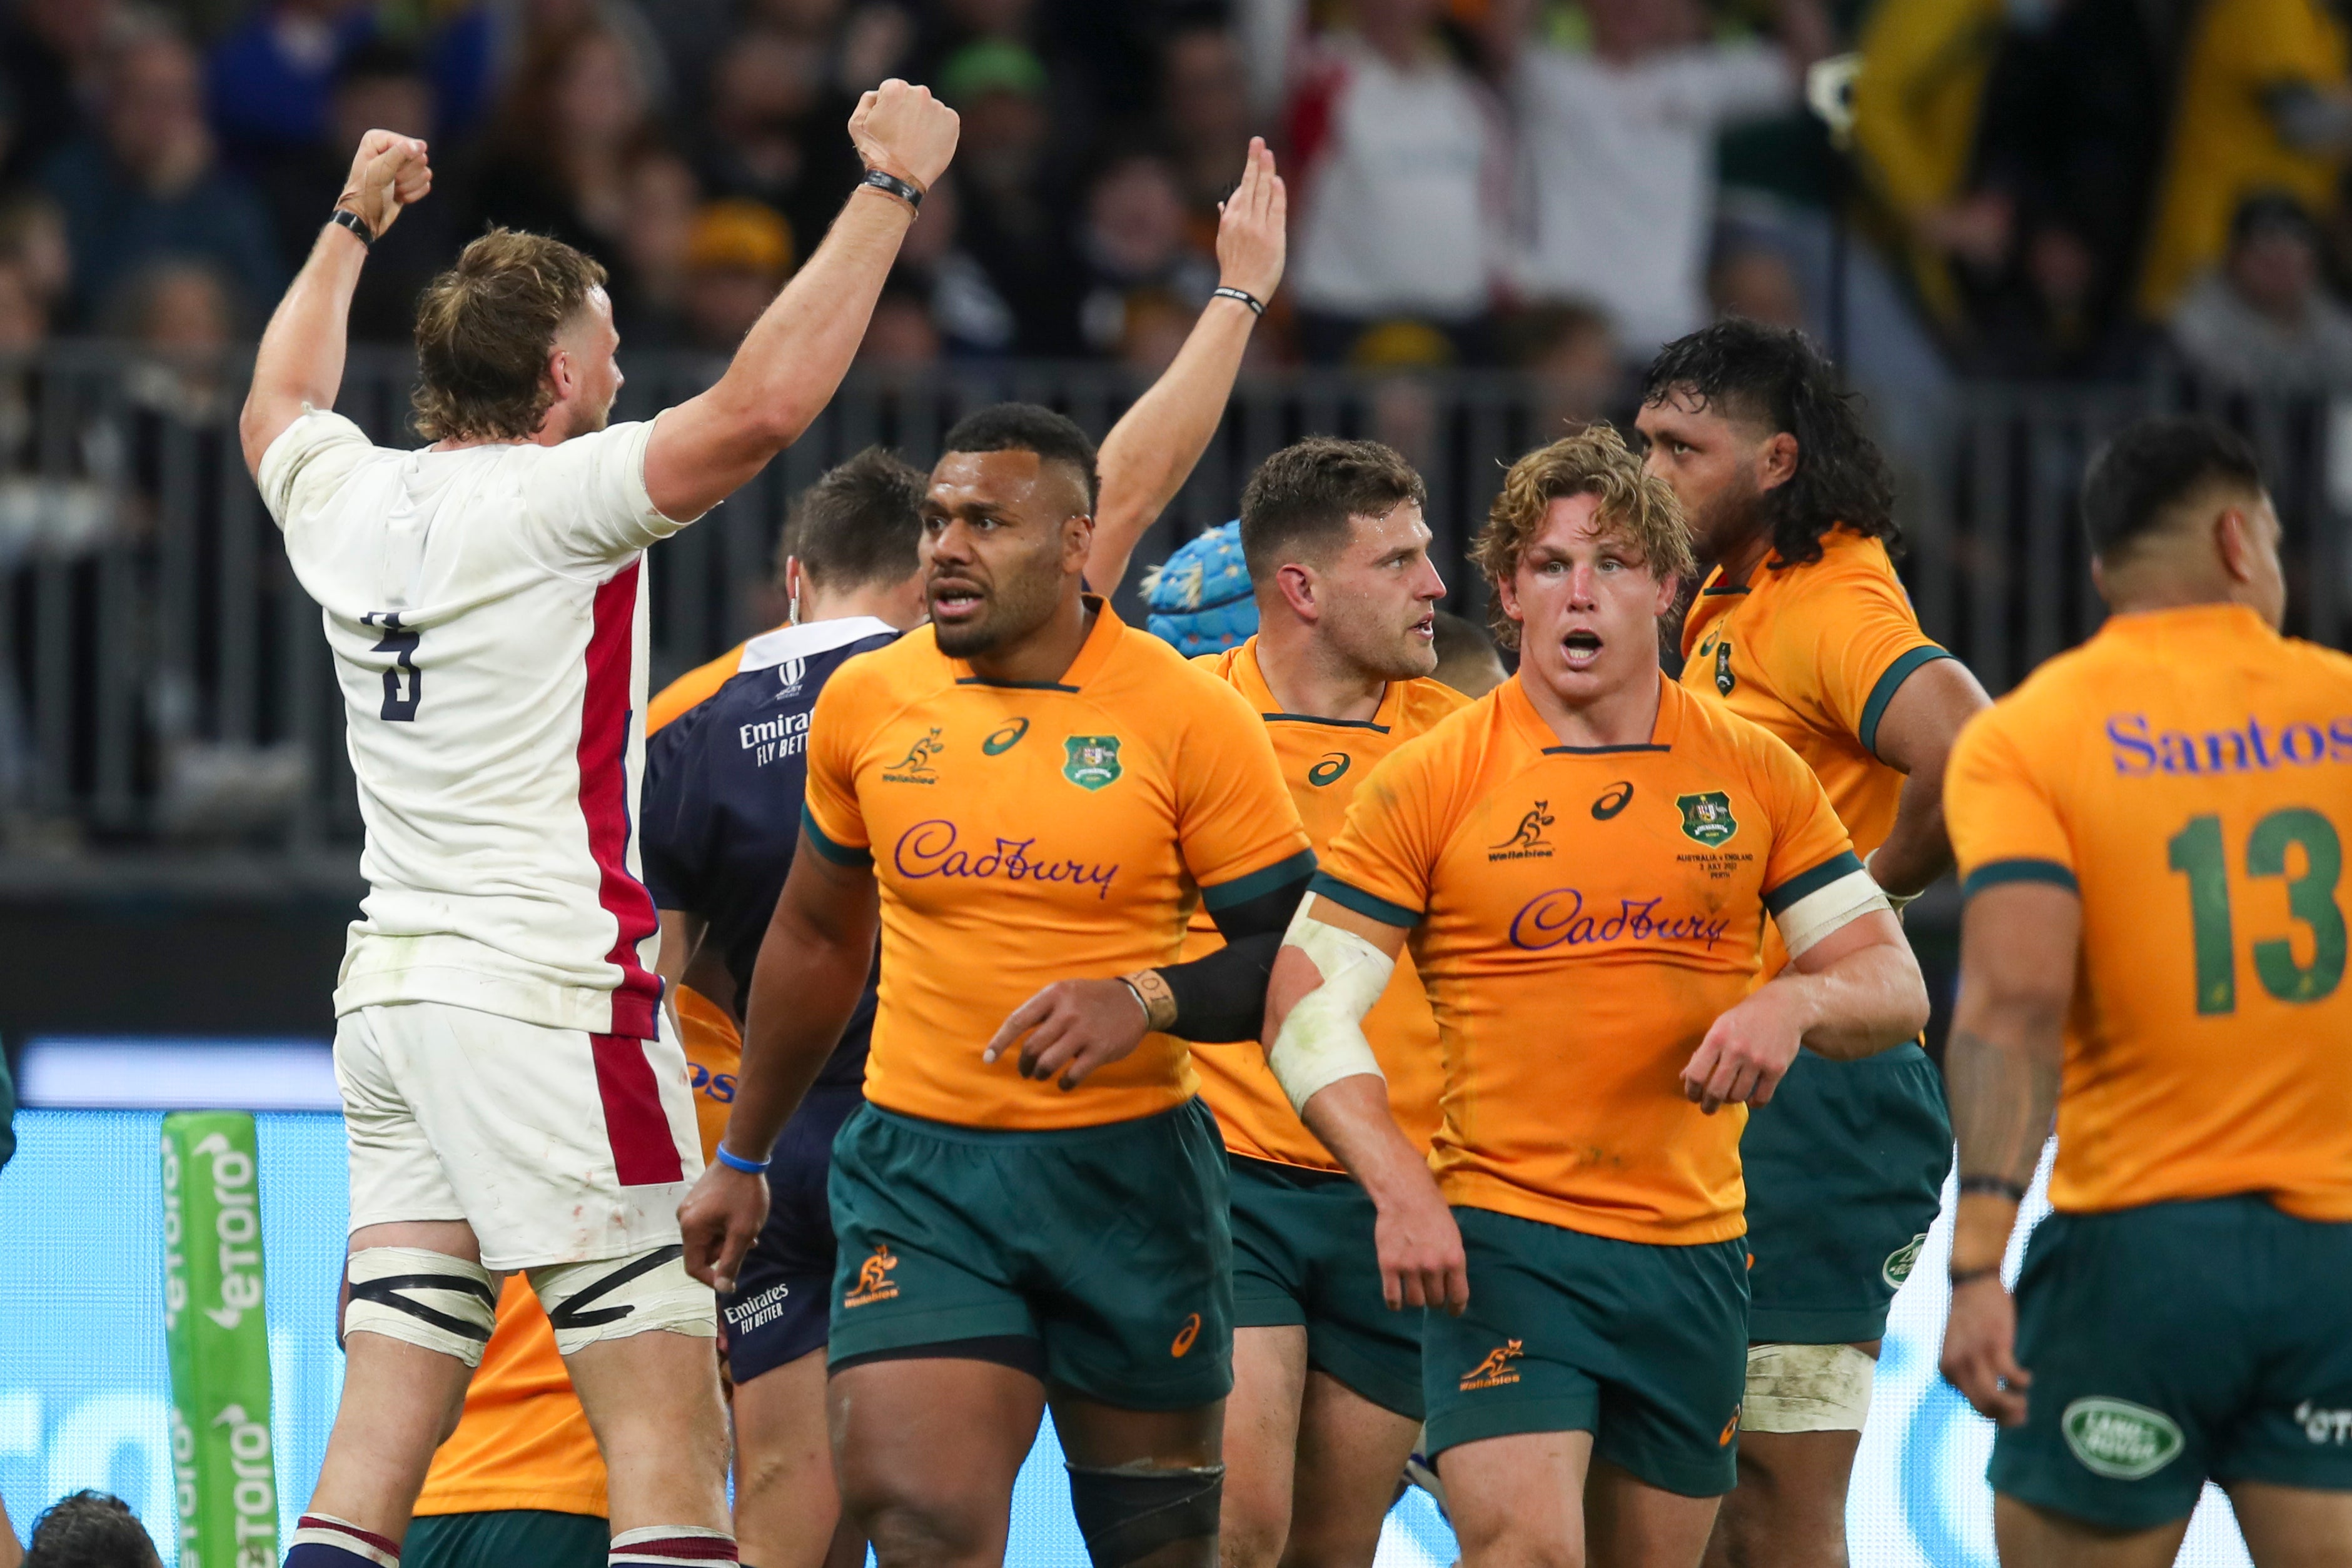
x=1902, y=1261
x=1724, y=679
x=2119, y=1439
x=1708, y=817
x=1328, y=771
x=1003, y=740
x=1093, y=760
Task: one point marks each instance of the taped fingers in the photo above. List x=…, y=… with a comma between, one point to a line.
x=614, y=1297
x=427, y=1299
x=1129, y=1513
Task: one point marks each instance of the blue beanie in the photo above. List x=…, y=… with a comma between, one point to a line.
x=1199, y=598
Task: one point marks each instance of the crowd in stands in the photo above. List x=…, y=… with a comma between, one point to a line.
x=2044, y=190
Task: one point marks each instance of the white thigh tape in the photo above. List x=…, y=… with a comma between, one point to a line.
x=1807, y=1388
x=1322, y=1040
x=616, y=1297
x=427, y=1299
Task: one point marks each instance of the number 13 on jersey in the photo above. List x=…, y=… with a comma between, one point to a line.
x=2294, y=843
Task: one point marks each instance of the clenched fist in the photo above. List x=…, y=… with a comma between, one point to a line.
x=903, y=130
x=389, y=171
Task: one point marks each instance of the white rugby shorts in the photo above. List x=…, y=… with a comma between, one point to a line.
x=556, y=1145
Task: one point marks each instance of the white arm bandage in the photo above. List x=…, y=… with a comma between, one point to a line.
x=1826, y=909
x=1323, y=1041
x=1897, y=901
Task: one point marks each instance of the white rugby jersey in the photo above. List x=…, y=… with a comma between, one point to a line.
x=486, y=610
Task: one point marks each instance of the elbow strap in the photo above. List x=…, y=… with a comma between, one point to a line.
x=1322, y=1040
x=1828, y=909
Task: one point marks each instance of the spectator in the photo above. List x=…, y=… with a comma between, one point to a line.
x=24, y=321
x=480, y=46
x=974, y=320
x=556, y=160
x=271, y=78
x=650, y=287
x=1204, y=109
x=146, y=185
x=900, y=336
x=1618, y=152
x=2260, y=323
x=183, y=312
x=1400, y=171
x=2264, y=105
x=1135, y=242
x=379, y=85
x=90, y=1529
x=33, y=238
x=1756, y=283
x=774, y=134
x=737, y=256
x=51, y=52
x=1009, y=221
x=2057, y=320
x=1572, y=357
x=1153, y=326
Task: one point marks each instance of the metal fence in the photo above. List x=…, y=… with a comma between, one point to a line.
x=163, y=682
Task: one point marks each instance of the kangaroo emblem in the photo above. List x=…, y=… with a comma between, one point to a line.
x=874, y=1279
x=1495, y=1370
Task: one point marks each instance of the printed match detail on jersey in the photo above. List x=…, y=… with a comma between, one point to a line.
x=1581, y=919
x=1324, y=762
x=1024, y=834
x=2190, y=773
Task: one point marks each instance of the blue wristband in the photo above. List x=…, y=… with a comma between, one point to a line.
x=735, y=1161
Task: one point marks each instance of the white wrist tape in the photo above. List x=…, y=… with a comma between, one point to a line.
x=1897, y=901
x=1826, y=909
x=1323, y=1041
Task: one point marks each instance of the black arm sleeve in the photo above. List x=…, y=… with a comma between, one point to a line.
x=1223, y=996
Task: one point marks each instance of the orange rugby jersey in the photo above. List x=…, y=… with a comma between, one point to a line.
x=1024, y=834
x=2190, y=772
x=1581, y=917
x=523, y=1440
x=1814, y=653
x=1323, y=761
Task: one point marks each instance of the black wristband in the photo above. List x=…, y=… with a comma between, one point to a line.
x=1971, y=1276
x=354, y=222
x=1225, y=291
x=906, y=190
x=1993, y=1187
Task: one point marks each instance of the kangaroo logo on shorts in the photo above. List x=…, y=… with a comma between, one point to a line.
x=2119, y=1439
x=1708, y=817
x=1092, y=760
x=1902, y=1261
x=1185, y=1335
x=874, y=1279
x=1495, y=1370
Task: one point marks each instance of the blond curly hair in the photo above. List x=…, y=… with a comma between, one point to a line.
x=1594, y=461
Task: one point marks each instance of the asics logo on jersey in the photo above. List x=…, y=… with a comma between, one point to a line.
x=1558, y=918
x=928, y=849
x=1497, y=1369
x=1003, y=740
x=915, y=768
x=1613, y=800
x=1328, y=771
x=1526, y=840
x=874, y=1279
x=2139, y=751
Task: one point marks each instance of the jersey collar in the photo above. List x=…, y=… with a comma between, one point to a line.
x=1254, y=686
x=1092, y=655
x=2221, y=619
x=1521, y=714
x=809, y=640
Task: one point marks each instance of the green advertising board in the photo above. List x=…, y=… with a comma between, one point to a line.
x=224, y=1463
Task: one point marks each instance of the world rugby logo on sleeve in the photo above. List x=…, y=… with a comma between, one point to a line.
x=2119, y=1439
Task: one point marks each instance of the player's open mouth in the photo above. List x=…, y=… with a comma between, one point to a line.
x=1582, y=648
x=955, y=601
x=1426, y=626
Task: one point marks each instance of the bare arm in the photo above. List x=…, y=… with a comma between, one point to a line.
x=1152, y=449
x=1915, y=735
x=2018, y=942
x=1853, y=993
x=1419, y=1245
x=813, y=965
x=300, y=361
x=793, y=360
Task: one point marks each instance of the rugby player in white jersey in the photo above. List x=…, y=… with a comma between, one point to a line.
x=515, y=1096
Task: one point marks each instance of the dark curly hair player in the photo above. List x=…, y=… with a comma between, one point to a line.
x=1801, y=626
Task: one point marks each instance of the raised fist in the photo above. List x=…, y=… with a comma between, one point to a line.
x=903, y=130
x=389, y=171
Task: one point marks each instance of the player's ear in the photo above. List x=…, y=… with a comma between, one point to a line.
x=1077, y=541
x=2235, y=541
x=1669, y=585
x=1296, y=584
x=1776, y=461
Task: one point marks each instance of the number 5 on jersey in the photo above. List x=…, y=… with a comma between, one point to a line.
x=401, y=644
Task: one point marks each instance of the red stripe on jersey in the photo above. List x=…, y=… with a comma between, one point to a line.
x=637, y=1129
x=605, y=798
x=676, y=1549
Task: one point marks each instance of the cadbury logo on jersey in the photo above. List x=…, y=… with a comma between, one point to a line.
x=929, y=849
x=2139, y=750
x=1558, y=917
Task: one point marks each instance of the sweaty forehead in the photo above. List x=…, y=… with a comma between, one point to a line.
x=1012, y=480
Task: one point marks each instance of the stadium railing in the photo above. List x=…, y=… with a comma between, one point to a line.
x=163, y=683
